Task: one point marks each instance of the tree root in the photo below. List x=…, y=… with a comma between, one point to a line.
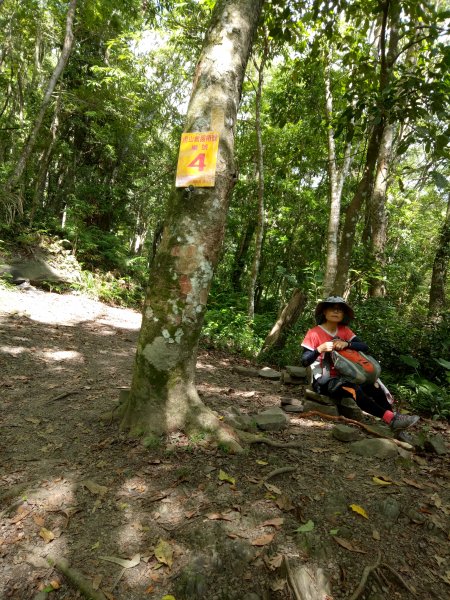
x=376, y=570
x=341, y=419
x=252, y=438
x=276, y=472
x=362, y=584
x=398, y=577
x=76, y=578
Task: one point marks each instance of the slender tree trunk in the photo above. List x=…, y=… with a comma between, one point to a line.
x=377, y=205
x=287, y=319
x=163, y=396
x=241, y=254
x=440, y=269
x=336, y=183
x=353, y=212
x=30, y=142
x=261, y=207
x=364, y=189
x=44, y=164
x=378, y=219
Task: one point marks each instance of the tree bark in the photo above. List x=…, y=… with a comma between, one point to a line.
x=336, y=183
x=364, y=189
x=261, y=208
x=44, y=164
x=16, y=205
x=287, y=319
x=163, y=396
x=377, y=205
x=440, y=269
x=354, y=210
x=378, y=219
x=241, y=254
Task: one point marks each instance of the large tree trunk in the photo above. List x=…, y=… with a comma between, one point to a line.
x=16, y=203
x=440, y=269
x=261, y=208
x=163, y=396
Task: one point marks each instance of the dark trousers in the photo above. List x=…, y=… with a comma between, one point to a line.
x=368, y=397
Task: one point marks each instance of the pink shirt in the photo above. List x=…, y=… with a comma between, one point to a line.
x=318, y=335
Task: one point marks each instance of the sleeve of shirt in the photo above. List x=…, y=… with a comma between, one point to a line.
x=308, y=357
x=311, y=340
x=346, y=334
x=358, y=344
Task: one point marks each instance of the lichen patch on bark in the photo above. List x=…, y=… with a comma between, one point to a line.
x=161, y=354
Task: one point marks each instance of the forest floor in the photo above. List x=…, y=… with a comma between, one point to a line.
x=185, y=519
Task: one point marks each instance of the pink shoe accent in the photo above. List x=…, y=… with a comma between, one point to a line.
x=388, y=416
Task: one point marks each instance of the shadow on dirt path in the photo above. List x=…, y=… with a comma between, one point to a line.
x=183, y=518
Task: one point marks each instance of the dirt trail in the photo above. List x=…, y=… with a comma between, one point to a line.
x=73, y=487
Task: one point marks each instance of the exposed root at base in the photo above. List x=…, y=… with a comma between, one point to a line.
x=76, y=578
x=377, y=569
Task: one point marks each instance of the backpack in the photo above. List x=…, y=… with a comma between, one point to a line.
x=355, y=366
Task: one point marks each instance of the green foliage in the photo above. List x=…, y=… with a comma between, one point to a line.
x=227, y=329
x=110, y=289
x=424, y=396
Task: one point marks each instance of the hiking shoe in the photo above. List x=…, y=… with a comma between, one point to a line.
x=400, y=422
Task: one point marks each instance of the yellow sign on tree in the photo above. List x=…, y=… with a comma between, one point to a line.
x=197, y=159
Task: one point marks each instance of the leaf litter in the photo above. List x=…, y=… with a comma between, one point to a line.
x=104, y=497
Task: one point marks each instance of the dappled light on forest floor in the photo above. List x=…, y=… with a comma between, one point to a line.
x=182, y=516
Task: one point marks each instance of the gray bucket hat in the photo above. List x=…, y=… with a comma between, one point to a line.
x=330, y=301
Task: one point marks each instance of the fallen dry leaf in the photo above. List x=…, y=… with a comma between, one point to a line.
x=274, y=562
x=39, y=520
x=360, y=510
x=46, y=535
x=278, y=585
x=225, y=477
x=22, y=513
x=273, y=488
x=164, y=553
x=382, y=480
x=348, y=545
x=264, y=540
x=413, y=483
x=284, y=503
x=277, y=523
x=228, y=516
x=95, y=488
x=123, y=562
x=97, y=581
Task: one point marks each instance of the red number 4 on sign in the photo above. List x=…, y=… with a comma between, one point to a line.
x=198, y=162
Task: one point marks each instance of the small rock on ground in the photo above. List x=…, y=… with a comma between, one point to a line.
x=343, y=433
x=326, y=409
x=269, y=373
x=272, y=419
x=377, y=448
